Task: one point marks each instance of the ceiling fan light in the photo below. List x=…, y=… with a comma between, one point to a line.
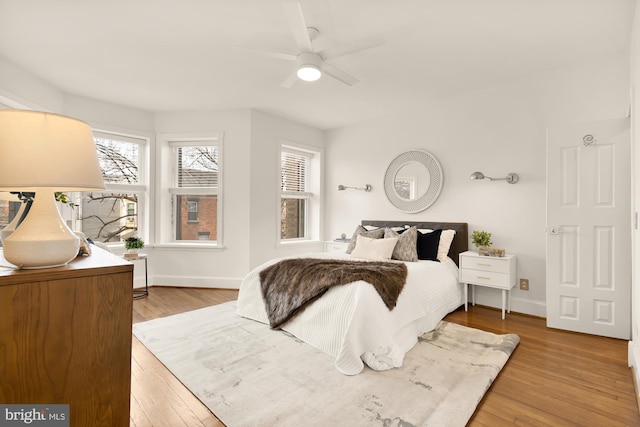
x=309, y=66
x=309, y=73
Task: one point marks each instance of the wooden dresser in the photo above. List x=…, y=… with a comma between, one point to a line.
x=65, y=337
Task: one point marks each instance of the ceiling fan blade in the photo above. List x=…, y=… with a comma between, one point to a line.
x=295, y=17
x=290, y=80
x=345, y=49
x=338, y=74
x=267, y=52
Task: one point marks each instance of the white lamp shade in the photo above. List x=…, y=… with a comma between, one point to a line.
x=47, y=150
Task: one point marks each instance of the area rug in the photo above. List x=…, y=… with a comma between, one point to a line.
x=250, y=375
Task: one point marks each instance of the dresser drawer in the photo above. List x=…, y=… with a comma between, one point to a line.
x=486, y=278
x=483, y=263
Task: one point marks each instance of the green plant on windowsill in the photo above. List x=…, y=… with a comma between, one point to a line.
x=133, y=243
x=481, y=239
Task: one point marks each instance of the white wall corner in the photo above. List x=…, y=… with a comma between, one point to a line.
x=530, y=307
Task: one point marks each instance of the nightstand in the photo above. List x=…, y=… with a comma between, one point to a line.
x=336, y=246
x=492, y=272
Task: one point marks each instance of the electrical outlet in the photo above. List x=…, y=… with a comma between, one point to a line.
x=524, y=284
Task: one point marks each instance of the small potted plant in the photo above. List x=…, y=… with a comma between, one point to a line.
x=133, y=244
x=482, y=240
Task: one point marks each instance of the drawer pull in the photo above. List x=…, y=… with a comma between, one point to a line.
x=484, y=265
x=484, y=278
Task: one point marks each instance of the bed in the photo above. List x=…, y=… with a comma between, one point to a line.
x=352, y=323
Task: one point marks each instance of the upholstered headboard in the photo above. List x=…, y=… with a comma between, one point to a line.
x=460, y=241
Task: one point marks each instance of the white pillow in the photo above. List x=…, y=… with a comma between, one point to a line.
x=445, y=242
x=374, y=249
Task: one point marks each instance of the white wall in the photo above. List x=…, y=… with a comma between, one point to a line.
x=496, y=130
x=251, y=180
x=250, y=162
x=634, y=345
x=205, y=266
x=268, y=132
x=18, y=85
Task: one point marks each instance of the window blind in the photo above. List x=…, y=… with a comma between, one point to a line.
x=197, y=166
x=294, y=168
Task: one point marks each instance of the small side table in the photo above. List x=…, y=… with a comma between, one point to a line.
x=336, y=246
x=140, y=293
x=492, y=272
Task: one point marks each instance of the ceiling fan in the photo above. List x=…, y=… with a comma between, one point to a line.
x=311, y=64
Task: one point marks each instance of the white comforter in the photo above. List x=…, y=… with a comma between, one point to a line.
x=351, y=322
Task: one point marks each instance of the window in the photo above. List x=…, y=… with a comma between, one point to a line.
x=192, y=211
x=196, y=189
x=299, y=207
x=112, y=215
x=8, y=211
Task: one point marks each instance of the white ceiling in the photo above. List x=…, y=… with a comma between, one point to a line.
x=170, y=55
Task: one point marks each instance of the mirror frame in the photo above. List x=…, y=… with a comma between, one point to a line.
x=435, y=186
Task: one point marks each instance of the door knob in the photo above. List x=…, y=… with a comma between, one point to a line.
x=556, y=230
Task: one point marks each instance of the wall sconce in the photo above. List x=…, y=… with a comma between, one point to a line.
x=511, y=178
x=367, y=187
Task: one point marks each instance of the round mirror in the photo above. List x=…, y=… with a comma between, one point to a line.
x=413, y=181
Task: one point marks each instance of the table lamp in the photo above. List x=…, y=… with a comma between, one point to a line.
x=44, y=153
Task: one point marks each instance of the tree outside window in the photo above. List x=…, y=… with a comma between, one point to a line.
x=112, y=215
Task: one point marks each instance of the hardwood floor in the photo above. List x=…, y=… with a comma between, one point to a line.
x=554, y=378
x=157, y=397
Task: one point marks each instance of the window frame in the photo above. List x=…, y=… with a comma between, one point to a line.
x=190, y=203
x=167, y=189
x=312, y=195
x=141, y=188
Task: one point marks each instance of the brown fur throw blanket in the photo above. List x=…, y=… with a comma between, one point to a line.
x=290, y=285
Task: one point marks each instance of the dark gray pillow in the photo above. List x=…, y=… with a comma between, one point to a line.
x=360, y=230
x=406, y=248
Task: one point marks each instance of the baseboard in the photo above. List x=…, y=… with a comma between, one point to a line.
x=493, y=298
x=635, y=387
x=197, y=282
x=634, y=364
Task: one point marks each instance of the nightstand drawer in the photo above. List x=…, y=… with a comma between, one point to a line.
x=486, y=278
x=485, y=264
x=336, y=246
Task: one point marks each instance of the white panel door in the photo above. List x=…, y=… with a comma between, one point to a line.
x=589, y=228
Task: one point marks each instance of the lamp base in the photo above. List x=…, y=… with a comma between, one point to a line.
x=42, y=240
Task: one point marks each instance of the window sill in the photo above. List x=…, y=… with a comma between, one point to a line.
x=285, y=243
x=190, y=245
